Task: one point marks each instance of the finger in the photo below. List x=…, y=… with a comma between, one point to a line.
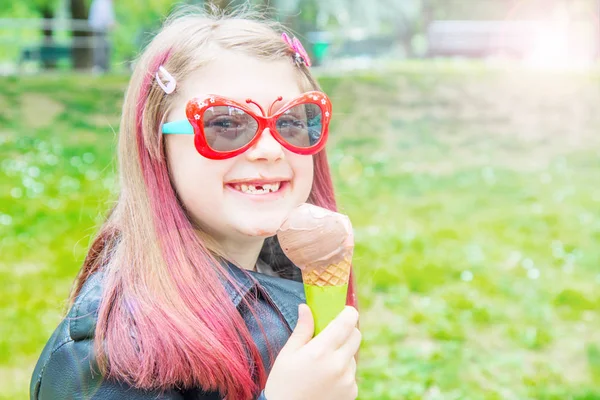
x=352, y=368
x=337, y=332
x=349, y=378
x=351, y=346
x=304, y=330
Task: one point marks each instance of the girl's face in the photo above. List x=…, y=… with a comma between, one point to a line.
x=223, y=196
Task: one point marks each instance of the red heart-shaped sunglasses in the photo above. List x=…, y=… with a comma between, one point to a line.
x=224, y=128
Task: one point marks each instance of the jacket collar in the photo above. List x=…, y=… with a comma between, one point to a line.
x=285, y=294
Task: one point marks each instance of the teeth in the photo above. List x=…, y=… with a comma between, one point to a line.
x=252, y=189
x=273, y=187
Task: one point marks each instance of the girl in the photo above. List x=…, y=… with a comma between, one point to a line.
x=185, y=292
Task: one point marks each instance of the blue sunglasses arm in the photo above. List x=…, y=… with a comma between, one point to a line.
x=182, y=127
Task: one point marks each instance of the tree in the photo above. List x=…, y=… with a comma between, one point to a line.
x=82, y=55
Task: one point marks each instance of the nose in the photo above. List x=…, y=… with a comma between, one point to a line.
x=266, y=148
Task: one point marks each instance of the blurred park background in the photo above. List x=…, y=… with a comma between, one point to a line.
x=464, y=147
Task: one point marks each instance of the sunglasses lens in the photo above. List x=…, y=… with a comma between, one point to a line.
x=228, y=128
x=301, y=125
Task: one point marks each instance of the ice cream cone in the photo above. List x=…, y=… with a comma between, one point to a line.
x=320, y=242
x=332, y=275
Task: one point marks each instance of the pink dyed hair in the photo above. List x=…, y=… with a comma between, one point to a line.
x=155, y=265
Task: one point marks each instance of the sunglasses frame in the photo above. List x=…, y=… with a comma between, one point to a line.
x=196, y=107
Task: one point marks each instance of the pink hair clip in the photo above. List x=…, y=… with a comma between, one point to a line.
x=296, y=46
x=169, y=86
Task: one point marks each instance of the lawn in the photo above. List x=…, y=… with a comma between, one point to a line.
x=474, y=194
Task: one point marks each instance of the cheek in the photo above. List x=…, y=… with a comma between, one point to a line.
x=303, y=175
x=198, y=181
x=182, y=163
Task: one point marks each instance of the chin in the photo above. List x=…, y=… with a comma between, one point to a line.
x=262, y=230
x=261, y=233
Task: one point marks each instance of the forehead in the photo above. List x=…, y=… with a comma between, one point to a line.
x=239, y=77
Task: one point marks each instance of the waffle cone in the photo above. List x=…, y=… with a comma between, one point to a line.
x=332, y=275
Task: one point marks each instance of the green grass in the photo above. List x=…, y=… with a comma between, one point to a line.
x=474, y=195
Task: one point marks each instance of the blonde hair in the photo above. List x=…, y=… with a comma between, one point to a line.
x=156, y=267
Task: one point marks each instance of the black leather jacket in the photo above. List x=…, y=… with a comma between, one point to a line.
x=66, y=368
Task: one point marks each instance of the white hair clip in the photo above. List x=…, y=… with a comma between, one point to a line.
x=169, y=86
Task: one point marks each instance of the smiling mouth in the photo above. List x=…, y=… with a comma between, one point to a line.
x=258, y=188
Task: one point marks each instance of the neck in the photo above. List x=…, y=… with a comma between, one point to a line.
x=243, y=251
x=244, y=254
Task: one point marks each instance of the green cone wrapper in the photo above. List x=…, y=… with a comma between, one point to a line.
x=326, y=302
